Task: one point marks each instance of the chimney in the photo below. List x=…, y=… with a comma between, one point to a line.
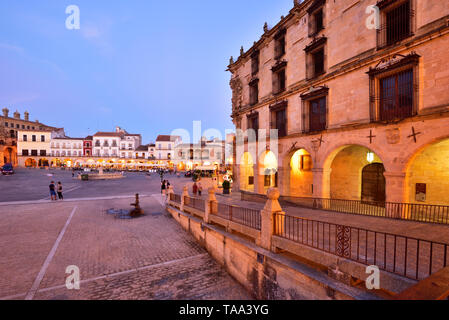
x=5, y=112
x=27, y=116
x=17, y=115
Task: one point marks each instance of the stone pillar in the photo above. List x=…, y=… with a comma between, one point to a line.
x=321, y=182
x=236, y=177
x=211, y=205
x=184, y=197
x=258, y=180
x=284, y=181
x=268, y=222
x=395, y=191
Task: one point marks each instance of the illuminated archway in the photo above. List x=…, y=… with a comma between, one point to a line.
x=247, y=172
x=427, y=175
x=30, y=163
x=347, y=178
x=299, y=174
x=268, y=171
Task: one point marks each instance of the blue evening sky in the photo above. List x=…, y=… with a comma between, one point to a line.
x=147, y=66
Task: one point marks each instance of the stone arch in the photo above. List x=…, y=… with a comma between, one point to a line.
x=296, y=173
x=267, y=174
x=30, y=163
x=343, y=169
x=427, y=173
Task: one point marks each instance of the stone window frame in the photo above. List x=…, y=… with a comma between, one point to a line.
x=317, y=6
x=410, y=61
x=316, y=45
x=386, y=6
x=306, y=99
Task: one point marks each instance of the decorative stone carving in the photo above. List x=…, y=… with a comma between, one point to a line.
x=265, y=27
x=393, y=136
x=242, y=51
x=237, y=90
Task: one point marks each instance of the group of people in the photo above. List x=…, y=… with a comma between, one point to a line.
x=165, y=185
x=197, y=188
x=56, y=189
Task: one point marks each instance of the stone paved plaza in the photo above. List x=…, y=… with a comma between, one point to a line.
x=146, y=258
x=32, y=184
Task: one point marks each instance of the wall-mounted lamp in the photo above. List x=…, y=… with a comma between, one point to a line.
x=370, y=157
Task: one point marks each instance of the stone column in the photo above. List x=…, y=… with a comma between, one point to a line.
x=169, y=192
x=184, y=197
x=284, y=181
x=268, y=222
x=395, y=191
x=236, y=177
x=321, y=182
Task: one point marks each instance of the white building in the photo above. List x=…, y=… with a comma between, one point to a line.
x=107, y=144
x=66, y=147
x=165, y=146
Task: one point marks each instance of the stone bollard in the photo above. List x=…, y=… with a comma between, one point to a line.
x=184, y=197
x=268, y=223
x=211, y=205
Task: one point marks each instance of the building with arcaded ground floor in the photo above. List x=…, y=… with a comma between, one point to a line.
x=361, y=113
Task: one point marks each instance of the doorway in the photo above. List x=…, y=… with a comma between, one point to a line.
x=373, y=183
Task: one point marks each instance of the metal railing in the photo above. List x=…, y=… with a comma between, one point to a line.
x=175, y=197
x=244, y=216
x=409, y=257
x=438, y=214
x=196, y=203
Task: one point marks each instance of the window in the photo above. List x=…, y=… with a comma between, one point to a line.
x=6, y=124
x=25, y=137
x=42, y=138
x=316, y=17
x=279, y=44
x=33, y=138
x=23, y=126
x=255, y=61
x=279, y=81
x=43, y=153
x=17, y=126
x=279, y=118
x=318, y=62
x=253, y=123
x=28, y=127
x=396, y=96
x=314, y=109
x=254, y=92
x=316, y=58
x=396, y=20
x=34, y=153
x=394, y=90
x=25, y=153
x=317, y=120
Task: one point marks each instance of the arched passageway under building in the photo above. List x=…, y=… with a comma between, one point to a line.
x=427, y=175
x=298, y=175
x=356, y=173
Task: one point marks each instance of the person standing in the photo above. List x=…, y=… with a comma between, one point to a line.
x=52, y=191
x=200, y=188
x=60, y=196
x=195, y=188
x=163, y=186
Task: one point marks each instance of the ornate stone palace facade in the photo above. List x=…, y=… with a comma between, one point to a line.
x=361, y=111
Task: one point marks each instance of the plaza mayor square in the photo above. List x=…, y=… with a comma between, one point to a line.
x=224, y=157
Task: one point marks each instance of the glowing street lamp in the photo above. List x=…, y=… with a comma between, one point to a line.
x=370, y=157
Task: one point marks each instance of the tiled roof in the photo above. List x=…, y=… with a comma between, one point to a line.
x=166, y=138
x=109, y=134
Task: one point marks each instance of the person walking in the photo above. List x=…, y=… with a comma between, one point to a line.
x=60, y=196
x=200, y=188
x=163, y=186
x=52, y=191
x=195, y=188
